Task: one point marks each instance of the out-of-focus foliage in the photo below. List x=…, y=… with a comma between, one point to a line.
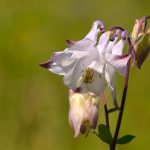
x=33, y=101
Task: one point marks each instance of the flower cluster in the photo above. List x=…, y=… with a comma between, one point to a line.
x=88, y=66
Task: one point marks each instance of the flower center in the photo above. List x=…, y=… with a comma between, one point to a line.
x=88, y=75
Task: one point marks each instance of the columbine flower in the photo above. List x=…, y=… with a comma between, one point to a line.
x=73, y=62
x=83, y=112
x=88, y=64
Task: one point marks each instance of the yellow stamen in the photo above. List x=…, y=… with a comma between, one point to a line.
x=88, y=76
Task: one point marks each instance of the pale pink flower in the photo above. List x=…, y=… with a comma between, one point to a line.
x=90, y=64
x=83, y=112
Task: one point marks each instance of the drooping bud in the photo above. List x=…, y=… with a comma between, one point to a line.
x=141, y=41
x=138, y=28
x=83, y=112
x=142, y=49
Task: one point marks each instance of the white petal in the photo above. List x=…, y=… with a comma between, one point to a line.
x=81, y=65
x=66, y=59
x=55, y=68
x=97, y=66
x=83, y=45
x=111, y=45
x=118, y=62
x=118, y=48
x=98, y=84
x=103, y=41
x=61, y=57
x=77, y=111
x=60, y=63
x=109, y=75
x=68, y=77
x=72, y=77
x=92, y=35
x=79, y=54
x=59, y=69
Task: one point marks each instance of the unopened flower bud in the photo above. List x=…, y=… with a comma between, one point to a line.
x=138, y=28
x=142, y=48
x=83, y=112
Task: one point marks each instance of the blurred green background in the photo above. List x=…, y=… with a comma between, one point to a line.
x=33, y=101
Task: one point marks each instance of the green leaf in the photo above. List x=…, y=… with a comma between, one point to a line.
x=104, y=134
x=125, y=139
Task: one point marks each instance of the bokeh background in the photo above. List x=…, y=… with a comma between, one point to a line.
x=33, y=101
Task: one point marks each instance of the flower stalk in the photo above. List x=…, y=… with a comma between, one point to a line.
x=113, y=145
x=121, y=109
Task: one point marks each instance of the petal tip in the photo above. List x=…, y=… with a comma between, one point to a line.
x=46, y=65
x=100, y=24
x=124, y=35
x=70, y=43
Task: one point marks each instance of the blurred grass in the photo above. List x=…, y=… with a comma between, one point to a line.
x=34, y=102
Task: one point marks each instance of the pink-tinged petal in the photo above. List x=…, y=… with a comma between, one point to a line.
x=83, y=112
x=103, y=41
x=118, y=48
x=77, y=111
x=93, y=116
x=119, y=63
x=75, y=124
x=96, y=28
x=92, y=104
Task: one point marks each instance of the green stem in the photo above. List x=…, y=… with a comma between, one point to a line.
x=107, y=118
x=114, y=142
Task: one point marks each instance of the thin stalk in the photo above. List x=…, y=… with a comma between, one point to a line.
x=113, y=109
x=121, y=111
x=106, y=110
x=106, y=116
x=113, y=145
x=107, y=119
